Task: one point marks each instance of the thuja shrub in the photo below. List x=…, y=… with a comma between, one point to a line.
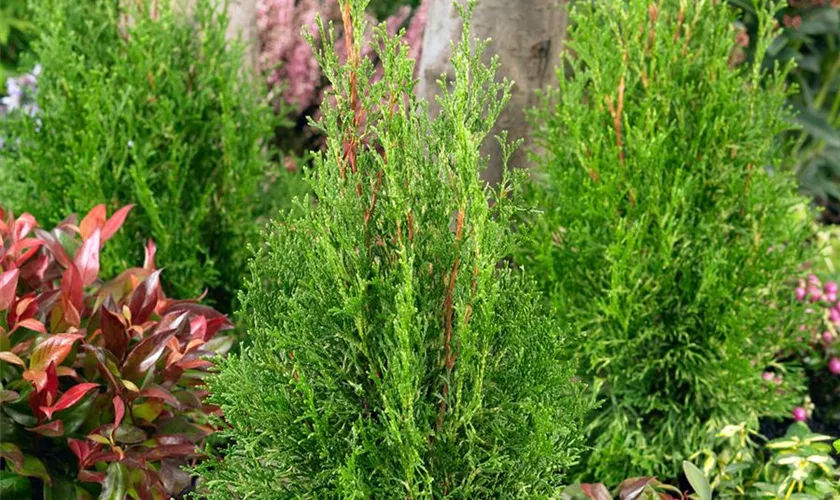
x=666, y=232
x=393, y=356
x=143, y=103
x=100, y=381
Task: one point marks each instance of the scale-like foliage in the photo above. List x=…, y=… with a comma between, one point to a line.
x=392, y=356
x=142, y=103
x=667, y=235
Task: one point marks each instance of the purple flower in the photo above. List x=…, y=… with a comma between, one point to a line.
x=799, y=414
x=834, y=365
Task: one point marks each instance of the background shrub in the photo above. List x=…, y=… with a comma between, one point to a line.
x=16, y=33
x=392, y=357
x=809, y=34
x=100, y=382
x=667, y=234
x=150, y=106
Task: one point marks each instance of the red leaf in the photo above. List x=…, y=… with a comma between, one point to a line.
x=55, y=248
x=633, y=487
x=69, y=398
x=145, y=354
x=10, y=357
x=115, y=223
x=23, y=225
x=31, y=324
x=95, y=219
x=596, y=491
x=12, y=453
x=198, y=327
x=31, y=244
x=172, y=450
x=149, y=261
x=217, y=325
x=8, y=288
x=195, y=364
x=119, y=414
x=54, y=349
x=144, y=298
x=156, y=392
x=113, y=332
x=35, y=269
x=72, y=287
x=87, y=259
x=52, y=429
x=87, y=476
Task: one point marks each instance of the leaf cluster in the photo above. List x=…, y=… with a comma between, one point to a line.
x=100, y=382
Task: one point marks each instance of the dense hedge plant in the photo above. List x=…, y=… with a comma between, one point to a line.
x=144, y=104
x=100, y=381
x=666, y=235
x=392, y=356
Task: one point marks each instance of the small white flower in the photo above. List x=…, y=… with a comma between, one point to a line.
x=130, y=144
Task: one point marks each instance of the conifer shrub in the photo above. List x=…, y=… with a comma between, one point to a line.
x=142, y=103
x=393, y=356
x=667, y=232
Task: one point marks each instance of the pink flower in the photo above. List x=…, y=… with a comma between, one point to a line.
x=830, y=297
x=767, y=376
x=830, y=287
x=834, y=365
x=834, y=315
x=800, y=293
x=799, y=414
x=812, y=279
x=827, y=337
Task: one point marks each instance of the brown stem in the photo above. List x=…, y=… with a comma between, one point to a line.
x=447, y=312
x=616, y=115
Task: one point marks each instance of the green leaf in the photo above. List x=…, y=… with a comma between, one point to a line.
x=33, y=467
x=837, y=446
x=14, y=485
x=697, y=480
x=116, y=482
x=12, y=454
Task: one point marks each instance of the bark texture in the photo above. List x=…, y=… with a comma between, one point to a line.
x=526, y=34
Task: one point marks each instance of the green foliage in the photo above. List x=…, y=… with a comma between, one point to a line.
x=798, y=465
x=158, y=112
x=16, y=32
x=667, y=235
x=384, y=8
x=393, y=356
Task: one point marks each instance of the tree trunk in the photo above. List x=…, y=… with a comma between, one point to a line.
x=526, y=34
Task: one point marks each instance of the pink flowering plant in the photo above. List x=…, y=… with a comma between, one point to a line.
x=820, y=348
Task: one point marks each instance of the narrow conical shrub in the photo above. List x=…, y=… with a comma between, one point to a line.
x=666, y=234
x=393, y=356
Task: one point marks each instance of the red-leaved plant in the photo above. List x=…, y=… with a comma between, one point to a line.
x=100, y=382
